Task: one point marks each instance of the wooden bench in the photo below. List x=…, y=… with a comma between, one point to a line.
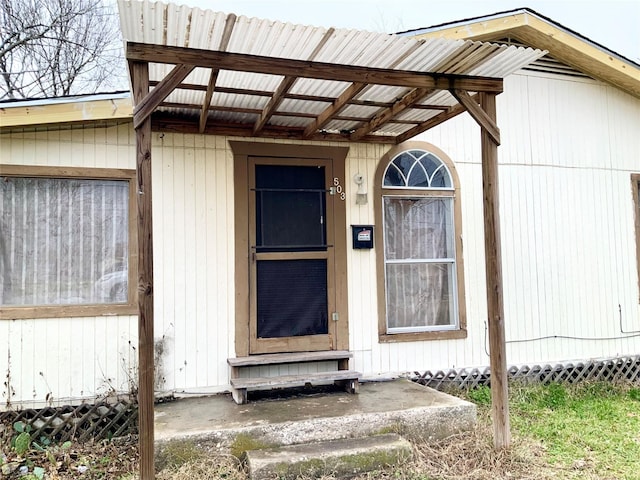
x=342, y=376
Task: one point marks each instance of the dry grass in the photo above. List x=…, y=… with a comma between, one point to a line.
x=471, y=456
x=214, y=467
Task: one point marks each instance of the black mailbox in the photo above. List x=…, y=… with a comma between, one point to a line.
x=362, y=236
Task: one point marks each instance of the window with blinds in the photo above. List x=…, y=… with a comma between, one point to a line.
x=64, y=241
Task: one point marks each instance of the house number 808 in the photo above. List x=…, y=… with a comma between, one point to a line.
x=338, y=188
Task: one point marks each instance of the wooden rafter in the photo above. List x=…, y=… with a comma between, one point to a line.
x=478, y=114
x=213, y=78
x=272, y=104
x=285, y=85
x=384, y=116
x=328, y=113
x=281, y=113
x=298, y=96
x=145, y=106
x=449, y=113
x=162, y=122
x=349, y=94
x=305, y=69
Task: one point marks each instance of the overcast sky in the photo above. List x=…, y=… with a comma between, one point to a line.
x=612, y=23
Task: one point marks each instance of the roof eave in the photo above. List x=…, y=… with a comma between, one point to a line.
x=563, y=44
x=66, y=111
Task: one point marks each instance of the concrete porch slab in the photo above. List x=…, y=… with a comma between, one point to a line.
x=399, y=406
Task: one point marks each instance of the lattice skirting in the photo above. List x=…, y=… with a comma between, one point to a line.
x=610, y=370
x=102, y=420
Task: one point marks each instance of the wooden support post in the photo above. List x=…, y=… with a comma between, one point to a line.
x=145, y=277
x=495, y=307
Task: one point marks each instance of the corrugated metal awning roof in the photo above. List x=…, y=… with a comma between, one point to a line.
x=267, y=78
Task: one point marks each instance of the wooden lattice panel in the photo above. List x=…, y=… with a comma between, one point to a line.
x=609, y=370
x=102, y=420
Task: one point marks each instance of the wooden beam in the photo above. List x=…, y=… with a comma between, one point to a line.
x=145, y=278
x=350, y=92
x=213, y=78
x=387, y=114
x=345, y=97
x=451, y=112
x=286, y=84
x=151, y=101
x=493, y=262
x=273, y=104
x=306, y=69
x=297, y=96
x=478, y=114
x=162, y=122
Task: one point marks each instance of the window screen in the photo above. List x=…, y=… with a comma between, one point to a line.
x=292, y=298
x=63, y=241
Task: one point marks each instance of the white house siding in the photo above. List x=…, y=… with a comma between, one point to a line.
x=569, y=147
x=52, y=361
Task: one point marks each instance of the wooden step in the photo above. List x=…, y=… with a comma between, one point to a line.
x=348, y=378
x=297, y=357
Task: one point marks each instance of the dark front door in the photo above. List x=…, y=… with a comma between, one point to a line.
x=291, y=242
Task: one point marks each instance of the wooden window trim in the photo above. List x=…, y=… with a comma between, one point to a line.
x=461, y=331
x=65, y=311
x=635, y=191
x=242, y=150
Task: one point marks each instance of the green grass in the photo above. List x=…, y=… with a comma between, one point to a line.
x=589, y=427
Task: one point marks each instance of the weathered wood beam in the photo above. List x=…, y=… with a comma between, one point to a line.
x=349, y=93
x=286, y=84
x=306, y=69
x=273, y=103
x=493, y=266
x=387, y=114
x=257, y=111
x=150, y=102
x=297, y=96
x=213, y=78
x=478, y=114
x=325, y=116
x=451, y=112
x=145, y=277
x=168, y=123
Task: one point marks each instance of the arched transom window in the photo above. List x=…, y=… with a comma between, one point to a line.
x=420, y=254
x=417, y=169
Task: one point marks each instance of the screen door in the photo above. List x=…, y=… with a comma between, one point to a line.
x=291, y=249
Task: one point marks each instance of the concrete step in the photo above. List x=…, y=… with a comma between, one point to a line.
x=344, y=457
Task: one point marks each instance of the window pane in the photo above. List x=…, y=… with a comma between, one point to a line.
x=290, y=207
x=418, y=228
x=417, y=169
x=292, y=298
x=420, y=295
x=63, y=241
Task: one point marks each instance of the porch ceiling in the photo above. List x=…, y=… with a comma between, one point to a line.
x=211, y=72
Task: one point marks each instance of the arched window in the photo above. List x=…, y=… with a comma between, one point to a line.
x=420, y=259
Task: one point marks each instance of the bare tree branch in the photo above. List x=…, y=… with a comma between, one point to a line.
x=58, y=47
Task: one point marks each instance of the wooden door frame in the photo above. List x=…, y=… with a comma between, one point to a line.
x=241, y=153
